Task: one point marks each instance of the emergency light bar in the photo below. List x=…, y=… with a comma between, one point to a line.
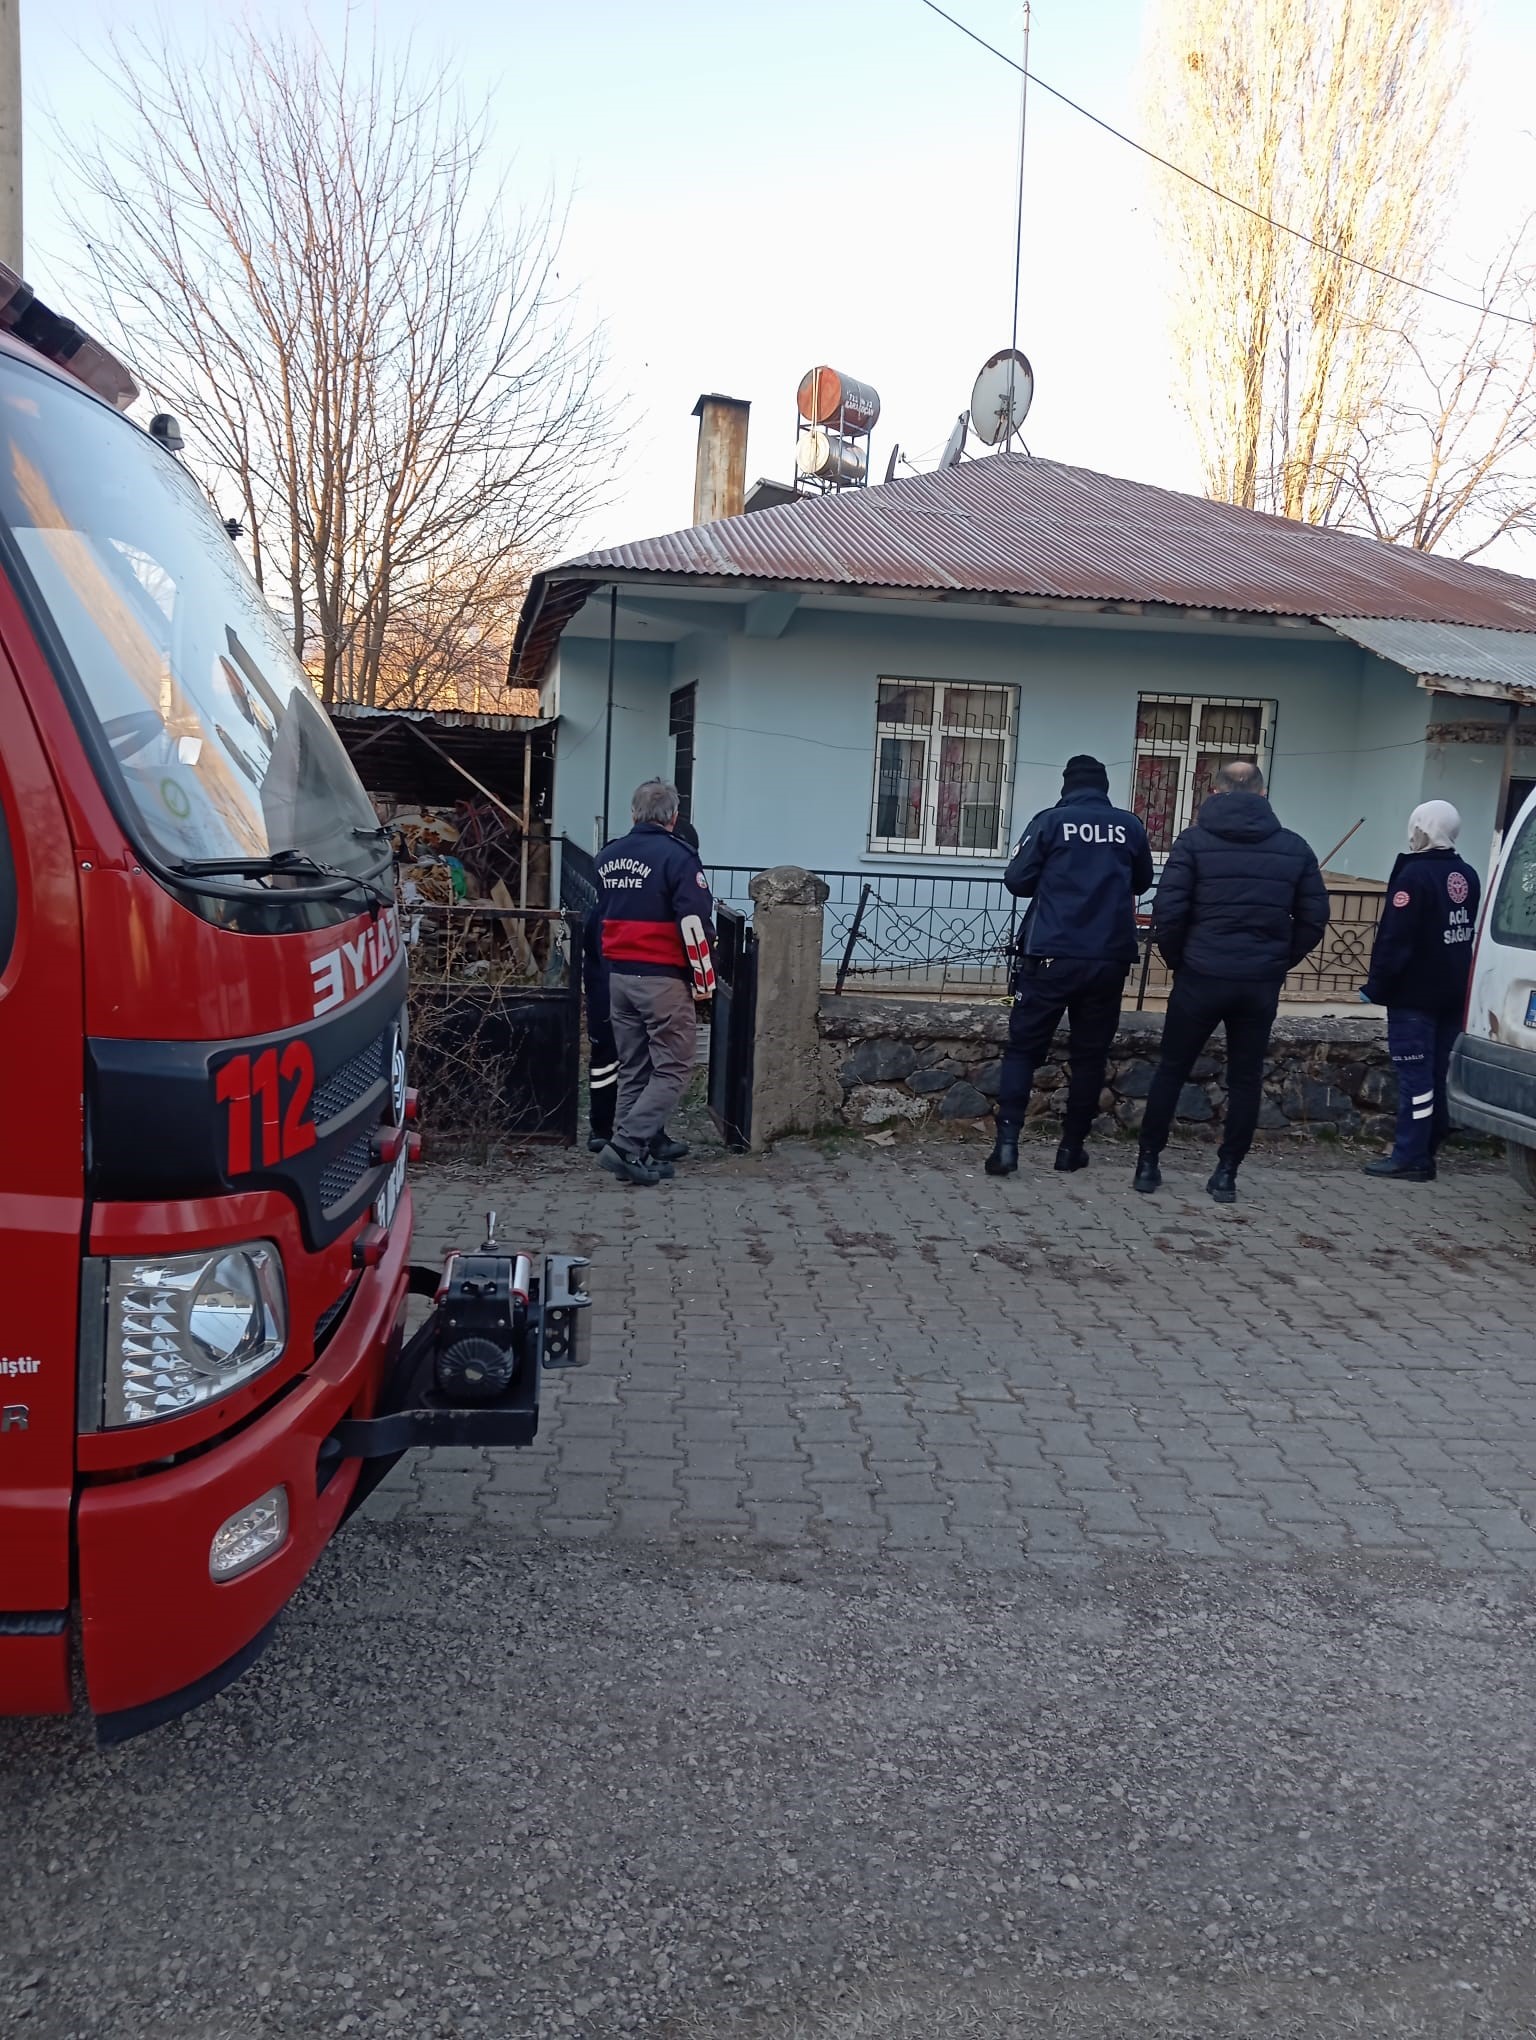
x=62, y=342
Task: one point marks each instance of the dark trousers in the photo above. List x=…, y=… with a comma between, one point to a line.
x=1088, y=992
x=1420, y=1046
x=1246, y=1006
x=602, y=1076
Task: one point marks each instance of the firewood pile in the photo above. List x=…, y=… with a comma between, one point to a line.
x=458, y=876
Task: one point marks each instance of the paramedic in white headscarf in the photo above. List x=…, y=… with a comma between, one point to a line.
x=1419, y=971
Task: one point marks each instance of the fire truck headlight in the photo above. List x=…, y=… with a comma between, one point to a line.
x=184, y=1329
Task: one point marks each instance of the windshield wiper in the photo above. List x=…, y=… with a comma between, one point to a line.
x=284, y=864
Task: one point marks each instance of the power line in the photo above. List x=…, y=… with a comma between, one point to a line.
x=1253, y=211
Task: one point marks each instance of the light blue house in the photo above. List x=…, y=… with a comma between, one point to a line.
x=889, y=679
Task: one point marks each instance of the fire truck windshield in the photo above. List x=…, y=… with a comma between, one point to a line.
x=210, y=723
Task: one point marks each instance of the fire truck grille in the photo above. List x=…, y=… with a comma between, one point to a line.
x=344, y=1172
x=342, y=1089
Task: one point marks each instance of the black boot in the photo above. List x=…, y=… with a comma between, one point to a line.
x=1223, y=1183
x=1149, y=1176
x=1004, y=1158
x=629, y=1167
x=600, y=1120
x=1401, y=1172
x=1071, y=1155
x=666, y=1149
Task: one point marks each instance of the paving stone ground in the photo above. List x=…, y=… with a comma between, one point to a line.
x=943, y=1607
x=882, y=1350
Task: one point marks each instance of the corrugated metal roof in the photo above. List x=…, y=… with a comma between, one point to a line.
x=1012, y=525
x=414, y=756
x=449, y=718
x=1449, y=651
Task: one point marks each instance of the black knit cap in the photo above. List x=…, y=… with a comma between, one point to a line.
x=1083, y=773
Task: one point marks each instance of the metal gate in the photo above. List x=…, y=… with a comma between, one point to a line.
x=731, y=1034
x=495, y=1012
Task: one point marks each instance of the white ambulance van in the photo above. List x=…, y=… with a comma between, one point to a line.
x=1493, y=1066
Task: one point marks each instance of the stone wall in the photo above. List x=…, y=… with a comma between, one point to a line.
x=887, y=1060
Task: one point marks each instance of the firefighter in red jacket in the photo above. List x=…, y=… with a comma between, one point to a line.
x=658, y=945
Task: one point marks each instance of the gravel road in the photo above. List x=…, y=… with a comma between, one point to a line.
x=488, y=1787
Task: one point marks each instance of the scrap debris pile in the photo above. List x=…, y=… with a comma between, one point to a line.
x=466, y=856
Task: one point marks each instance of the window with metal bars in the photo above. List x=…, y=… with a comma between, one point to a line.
x=1182, y=742
x=943, y=768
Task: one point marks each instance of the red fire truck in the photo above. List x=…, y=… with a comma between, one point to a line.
x=205, y=1219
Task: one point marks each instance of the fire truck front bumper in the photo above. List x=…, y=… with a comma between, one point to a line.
x=184, y=1572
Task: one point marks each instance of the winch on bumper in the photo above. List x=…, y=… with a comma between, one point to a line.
x=470, y=1374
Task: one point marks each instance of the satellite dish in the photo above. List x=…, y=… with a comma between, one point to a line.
x=954, y=446
x=1000, y=402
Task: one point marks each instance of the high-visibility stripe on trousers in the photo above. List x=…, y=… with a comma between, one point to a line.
x=1420, y=1046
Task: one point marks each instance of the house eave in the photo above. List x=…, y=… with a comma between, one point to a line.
x=531, y=642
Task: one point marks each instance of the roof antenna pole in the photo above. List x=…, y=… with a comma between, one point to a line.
x=1018, y=229
x=613, y=632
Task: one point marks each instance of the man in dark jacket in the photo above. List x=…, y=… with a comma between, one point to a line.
x=658, y=944
x=1240, y=903
x=1419, y=971
x=1084, y=864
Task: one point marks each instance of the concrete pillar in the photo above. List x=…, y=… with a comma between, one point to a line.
x=786, y=1077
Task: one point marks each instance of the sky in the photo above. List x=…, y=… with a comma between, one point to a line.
x=756, y=188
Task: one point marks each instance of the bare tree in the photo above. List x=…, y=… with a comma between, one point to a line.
x=1447, y=461
x=307, y=262
x=451, y=638
x=1335, y=117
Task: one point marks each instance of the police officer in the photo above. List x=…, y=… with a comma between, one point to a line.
x=1084, y=864
x=1419, y=970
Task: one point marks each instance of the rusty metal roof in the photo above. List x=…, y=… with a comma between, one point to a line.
x=1010, y=525
x=447, y=718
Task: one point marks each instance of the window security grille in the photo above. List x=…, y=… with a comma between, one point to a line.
x=943, y=768
x=1182, y=741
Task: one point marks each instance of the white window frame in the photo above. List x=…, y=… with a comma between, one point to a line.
x=931, y=735
x=1189, y=748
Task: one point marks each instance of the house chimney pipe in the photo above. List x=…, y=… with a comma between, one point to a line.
x=720, y=468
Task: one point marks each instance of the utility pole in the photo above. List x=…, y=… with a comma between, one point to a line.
x=10, y=135
x=613, y=637
x=1018, y=215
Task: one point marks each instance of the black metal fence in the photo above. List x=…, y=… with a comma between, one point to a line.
x=919, y=931
x=936, y=933
x=578, y=878
x=731, y=1034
